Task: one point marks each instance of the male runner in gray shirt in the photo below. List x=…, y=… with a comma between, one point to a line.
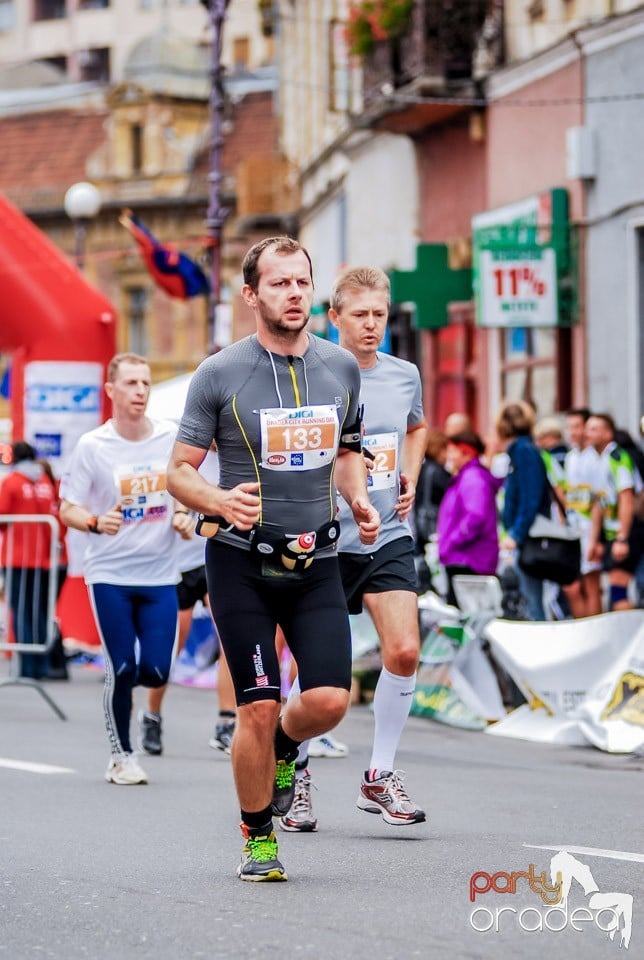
x=283, y=408
x=385, y=578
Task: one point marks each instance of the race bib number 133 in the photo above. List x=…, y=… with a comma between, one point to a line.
x=302, y=438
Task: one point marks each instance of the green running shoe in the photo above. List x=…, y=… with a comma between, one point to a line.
x=284, y=788
x=259, y=858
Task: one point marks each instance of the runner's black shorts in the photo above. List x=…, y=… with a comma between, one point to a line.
x=192, y=587
x=631, y=561
x=389, y=568
x=247, y=607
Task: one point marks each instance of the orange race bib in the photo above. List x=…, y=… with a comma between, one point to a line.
x=302, y=438
x=384, y=449
x=141, y=491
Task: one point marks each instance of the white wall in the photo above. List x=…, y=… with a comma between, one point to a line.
x=615, y=210
x=365, y=211
x=383, y=204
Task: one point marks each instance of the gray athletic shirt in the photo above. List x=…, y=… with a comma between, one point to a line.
x=276, y=420
x=392, y=396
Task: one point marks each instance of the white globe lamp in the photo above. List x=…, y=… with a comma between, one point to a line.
x=82, y=203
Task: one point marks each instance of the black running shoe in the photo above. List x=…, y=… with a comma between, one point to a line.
x=150, y=734
x=259, y=858
x=284, y=788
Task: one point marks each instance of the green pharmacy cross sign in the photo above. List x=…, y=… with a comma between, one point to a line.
x=431, y=286
x=524, y=263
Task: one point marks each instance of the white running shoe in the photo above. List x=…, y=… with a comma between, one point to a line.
x=125, y=770
x=327, y=746
x=387, y=796
x=300, y=817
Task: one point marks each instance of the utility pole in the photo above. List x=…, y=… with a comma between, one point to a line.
x=216, y=211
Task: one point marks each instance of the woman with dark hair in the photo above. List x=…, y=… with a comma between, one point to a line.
x=526, y=492
x=433, y=481
x=468, y=542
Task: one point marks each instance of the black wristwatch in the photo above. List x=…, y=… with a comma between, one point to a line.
x=92, y=525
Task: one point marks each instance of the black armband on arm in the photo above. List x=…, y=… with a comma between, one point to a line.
x=351, y=434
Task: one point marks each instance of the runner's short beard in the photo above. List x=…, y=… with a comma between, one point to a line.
x=275, y=326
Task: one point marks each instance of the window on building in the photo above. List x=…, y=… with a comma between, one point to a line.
x=95, y=64
x=340, y=69
x=136, y=311
x=49, y=9
x=241, y=52
x=7, y=15
x=136, y=147
x=147, y=4
x=59, y=62
x=404, y=341
x=530, y=367
x=93, y=4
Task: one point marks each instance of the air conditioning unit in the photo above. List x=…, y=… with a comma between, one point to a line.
x=581, y=153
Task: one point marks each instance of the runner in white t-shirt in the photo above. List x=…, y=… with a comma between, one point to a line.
x=614, y=537
x=115, y=488
x=191, y=588
x=580, y=466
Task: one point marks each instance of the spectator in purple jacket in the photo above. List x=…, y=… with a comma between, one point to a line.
x=468, y=542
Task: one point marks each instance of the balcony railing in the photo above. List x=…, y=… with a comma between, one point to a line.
x=447, y=44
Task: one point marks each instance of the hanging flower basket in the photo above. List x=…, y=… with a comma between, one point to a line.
x=372, y=20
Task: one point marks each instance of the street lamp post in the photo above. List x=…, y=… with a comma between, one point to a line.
x=216, y=211
x=82, y=203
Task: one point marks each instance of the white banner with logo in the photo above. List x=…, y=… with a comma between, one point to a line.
x=583, y=680
x=62, y=401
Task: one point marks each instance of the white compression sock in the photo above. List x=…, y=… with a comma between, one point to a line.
x=391, y=706
x=302, y=757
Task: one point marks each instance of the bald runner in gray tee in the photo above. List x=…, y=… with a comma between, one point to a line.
x=392, y=396
x=277, y=420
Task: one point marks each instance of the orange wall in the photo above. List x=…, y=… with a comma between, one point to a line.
x=452, y=180
x=527, y=143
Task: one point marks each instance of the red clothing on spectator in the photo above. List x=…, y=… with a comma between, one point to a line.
x=27, y=490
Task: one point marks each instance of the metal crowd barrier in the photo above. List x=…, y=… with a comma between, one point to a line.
x=7, y=524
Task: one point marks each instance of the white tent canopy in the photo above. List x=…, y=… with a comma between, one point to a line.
x=167, y=399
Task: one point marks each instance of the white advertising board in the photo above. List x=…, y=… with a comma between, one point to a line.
x=583, y=680
x=518, y=291
x=62, y=401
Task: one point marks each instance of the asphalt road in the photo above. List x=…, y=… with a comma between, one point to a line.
x=91, y=870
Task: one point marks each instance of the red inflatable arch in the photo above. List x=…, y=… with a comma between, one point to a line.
x=61, y=333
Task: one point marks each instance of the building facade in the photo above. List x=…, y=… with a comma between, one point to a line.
x=358, y=186
x=506, y=124
x=613, y=58
x=145, y=143
x=91, y=40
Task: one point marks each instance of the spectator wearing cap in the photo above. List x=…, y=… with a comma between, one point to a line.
x=549, y=437
x=468, y=541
